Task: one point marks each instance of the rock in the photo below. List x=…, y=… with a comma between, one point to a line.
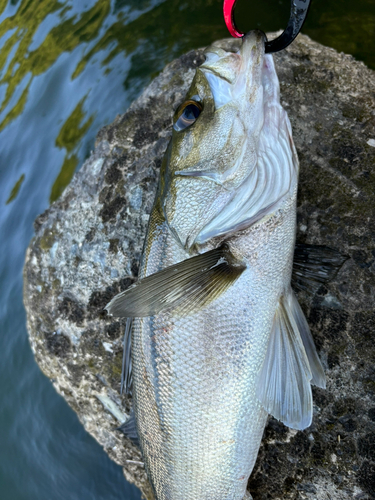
x=87, y=247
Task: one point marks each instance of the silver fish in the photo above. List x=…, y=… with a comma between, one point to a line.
x=219, y=340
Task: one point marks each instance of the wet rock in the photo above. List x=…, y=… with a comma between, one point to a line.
x=87, y=247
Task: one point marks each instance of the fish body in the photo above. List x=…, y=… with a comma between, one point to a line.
x=199, y=420
x=217, y=345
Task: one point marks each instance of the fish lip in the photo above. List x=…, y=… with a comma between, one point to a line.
x=253, y=45
x=255, y=35
x=252, y=53
x=235, y=75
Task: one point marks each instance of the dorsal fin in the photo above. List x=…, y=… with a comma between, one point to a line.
x=314, y=265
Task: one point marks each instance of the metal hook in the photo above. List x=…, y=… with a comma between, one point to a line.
x=298, y=13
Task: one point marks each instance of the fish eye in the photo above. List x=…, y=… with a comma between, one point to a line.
x=187, y=114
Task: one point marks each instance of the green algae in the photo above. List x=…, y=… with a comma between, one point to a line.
x=49, y=237
x=65, y=176
x=73, y=130
x=15, y=189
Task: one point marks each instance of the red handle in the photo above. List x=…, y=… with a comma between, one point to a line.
x=228, y=9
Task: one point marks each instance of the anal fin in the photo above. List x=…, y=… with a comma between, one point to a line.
x=126, y=372
x=181, y=288
x=291, y=364
x=129, y=428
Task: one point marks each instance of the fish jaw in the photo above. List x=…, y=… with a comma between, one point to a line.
x=237, y=76
x=237, y=161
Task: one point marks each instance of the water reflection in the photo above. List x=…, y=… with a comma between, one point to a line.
x=69, y=138
x=347, y=26
x=15, y=189
x=30, y=51
x=146, y=34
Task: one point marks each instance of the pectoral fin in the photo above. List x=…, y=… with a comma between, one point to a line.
x=181, y=288
x=284, y=383
x=314, y=265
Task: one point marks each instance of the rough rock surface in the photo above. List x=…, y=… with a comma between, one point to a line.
x=87, y=246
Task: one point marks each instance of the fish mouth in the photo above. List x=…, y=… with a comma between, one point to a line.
x=235, y=75
x=252, y=54
x=252, y=51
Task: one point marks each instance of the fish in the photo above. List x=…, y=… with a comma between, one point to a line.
x=216, y=340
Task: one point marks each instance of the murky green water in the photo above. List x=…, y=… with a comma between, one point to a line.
x=66, y=69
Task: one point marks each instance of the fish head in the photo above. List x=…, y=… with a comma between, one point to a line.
x=231, y=159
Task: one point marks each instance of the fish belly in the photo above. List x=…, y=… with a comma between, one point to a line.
x=195, y=377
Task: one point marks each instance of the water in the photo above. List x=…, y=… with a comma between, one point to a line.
x=66, y=69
